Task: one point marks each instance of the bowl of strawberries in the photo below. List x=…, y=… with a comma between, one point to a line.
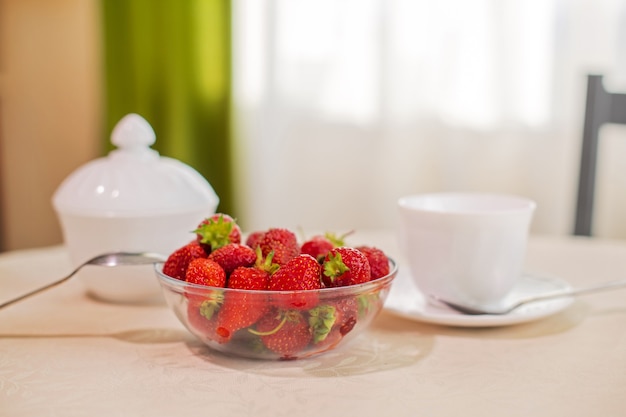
x=269, y=296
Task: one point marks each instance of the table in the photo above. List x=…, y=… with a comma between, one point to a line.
x=63, y=353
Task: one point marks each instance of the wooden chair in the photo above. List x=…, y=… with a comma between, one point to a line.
x=601, y=107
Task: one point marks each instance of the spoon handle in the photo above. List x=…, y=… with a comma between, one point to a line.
x=106, y=259
x=576, y=291
x=40, y=289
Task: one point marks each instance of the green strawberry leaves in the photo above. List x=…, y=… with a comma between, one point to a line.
x=334, y=266
x=212, y=304
x=215, y=232
x=321, y=320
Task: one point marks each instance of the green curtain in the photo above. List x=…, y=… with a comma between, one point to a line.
x=170, y=62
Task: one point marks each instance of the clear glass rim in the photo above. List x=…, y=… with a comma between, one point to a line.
x=331, y=292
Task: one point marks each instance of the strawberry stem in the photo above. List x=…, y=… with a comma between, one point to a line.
x=265, y=264
x=336, y=240
x=270, y=332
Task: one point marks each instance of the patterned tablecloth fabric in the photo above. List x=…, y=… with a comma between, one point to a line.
x=63, y=353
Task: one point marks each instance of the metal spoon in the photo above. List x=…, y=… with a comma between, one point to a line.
x=106, y=259
x=476, y=310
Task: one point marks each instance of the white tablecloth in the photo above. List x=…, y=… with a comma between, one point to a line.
x=63, y=353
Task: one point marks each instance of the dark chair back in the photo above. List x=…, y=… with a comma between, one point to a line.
x=601, y=107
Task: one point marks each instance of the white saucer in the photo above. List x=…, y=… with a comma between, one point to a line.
x=407, y=301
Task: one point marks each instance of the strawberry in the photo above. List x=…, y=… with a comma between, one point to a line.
x=247, y=278
x=284, y=332
x=232, y=256
x=254, y=239
x=217, y=231
x=345, y=266
x=201, y=311
x=331, y=322
x=300, y=273
x=348, y=312
x=318, y=246
x=204, y=271
x=282, y=242
x=243, y=309
x=379, y=264
x=177, y=263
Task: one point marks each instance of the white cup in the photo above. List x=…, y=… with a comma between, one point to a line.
x=465, y=247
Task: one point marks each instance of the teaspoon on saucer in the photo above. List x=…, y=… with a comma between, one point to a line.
x=107, y=259
x=501, y=310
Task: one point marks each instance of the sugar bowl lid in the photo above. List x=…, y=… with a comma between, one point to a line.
x=134, y=180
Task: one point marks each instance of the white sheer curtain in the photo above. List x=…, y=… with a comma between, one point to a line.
x=345, y=105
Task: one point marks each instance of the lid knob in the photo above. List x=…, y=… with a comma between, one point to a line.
x=133, y=132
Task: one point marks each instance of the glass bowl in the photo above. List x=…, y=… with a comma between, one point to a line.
x=276, y=325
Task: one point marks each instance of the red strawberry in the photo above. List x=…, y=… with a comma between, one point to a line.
x=254, y=239
x=284, y=332
x=318, y=246
x=201, y=313
x=232, y=256
x=243, y=309
x=331, y=322
x=345, y=266
x=300, y=273
x=177, y=263
x=379, y=264
x=348, y=313
x=217, y=231
x=203, y=271
x=247, y=278
x=282, y=242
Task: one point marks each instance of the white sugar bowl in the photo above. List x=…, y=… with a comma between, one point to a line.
x=131, y=200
